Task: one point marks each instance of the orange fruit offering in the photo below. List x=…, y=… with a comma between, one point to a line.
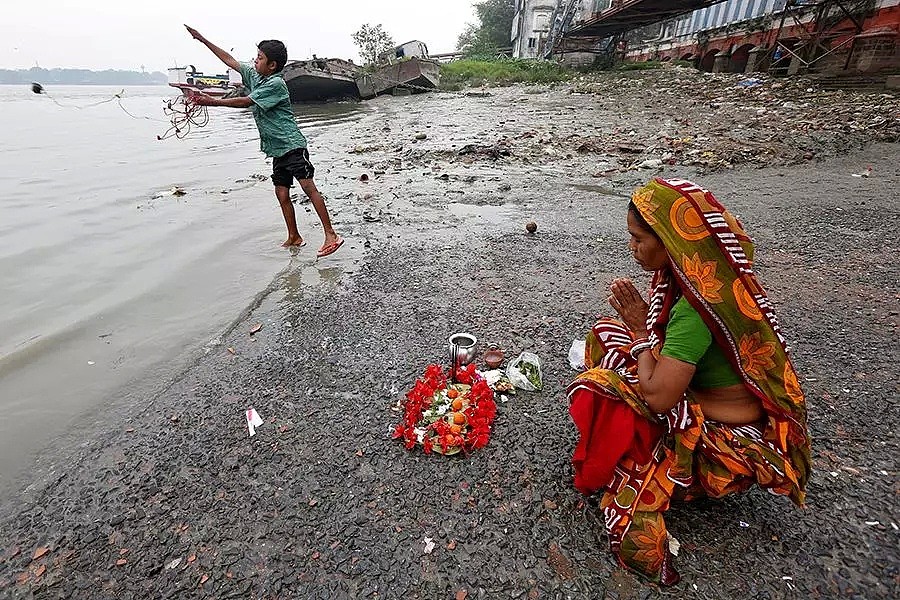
x=456, y=429
x=457, y=404
x=459, y=418
x=452, y=393
x=449, y=439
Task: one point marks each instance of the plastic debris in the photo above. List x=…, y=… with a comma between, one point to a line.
x=253, y=420
x=429, y=545
x=674, y=544
x=576, y=355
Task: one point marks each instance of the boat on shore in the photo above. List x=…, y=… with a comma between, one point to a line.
x=413, y=75
x=321, y=79
x=407, y=68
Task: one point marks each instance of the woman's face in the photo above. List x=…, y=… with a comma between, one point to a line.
x=647, y=249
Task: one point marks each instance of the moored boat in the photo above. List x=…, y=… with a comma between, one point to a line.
x=320, y=79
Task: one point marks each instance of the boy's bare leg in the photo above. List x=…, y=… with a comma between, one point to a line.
x=309, y=188
x=290, y=219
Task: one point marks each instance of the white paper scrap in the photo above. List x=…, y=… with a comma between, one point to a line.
x=253, y=420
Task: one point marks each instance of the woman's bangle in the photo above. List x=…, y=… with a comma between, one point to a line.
x=639, y=346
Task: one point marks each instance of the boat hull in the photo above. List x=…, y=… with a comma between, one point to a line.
x=321, y=80
x=415, y=74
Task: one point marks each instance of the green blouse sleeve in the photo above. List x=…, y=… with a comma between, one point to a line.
x=687, y=336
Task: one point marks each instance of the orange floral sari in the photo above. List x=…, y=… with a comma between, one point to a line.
x=640, y=461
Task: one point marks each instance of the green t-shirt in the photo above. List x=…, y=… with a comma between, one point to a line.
x=689, y=339
x=278, y=131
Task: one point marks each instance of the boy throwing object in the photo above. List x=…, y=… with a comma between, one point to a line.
x=279, y=135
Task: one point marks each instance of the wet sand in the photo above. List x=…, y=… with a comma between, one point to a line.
x=322, y=503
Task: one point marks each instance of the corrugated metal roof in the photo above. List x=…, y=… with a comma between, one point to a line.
x=632, y=14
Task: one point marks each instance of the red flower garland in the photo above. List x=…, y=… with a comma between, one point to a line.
x=479, y=413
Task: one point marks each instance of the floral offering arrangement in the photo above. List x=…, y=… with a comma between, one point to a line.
x=446, y=417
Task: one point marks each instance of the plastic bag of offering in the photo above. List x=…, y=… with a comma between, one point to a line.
x=525, y=372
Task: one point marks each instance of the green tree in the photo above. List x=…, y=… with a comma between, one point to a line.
x=493, y=31
x=372, y=42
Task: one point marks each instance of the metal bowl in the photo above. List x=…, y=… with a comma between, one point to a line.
x=462, y=345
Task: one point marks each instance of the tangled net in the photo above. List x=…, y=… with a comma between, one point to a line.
x=183, y=113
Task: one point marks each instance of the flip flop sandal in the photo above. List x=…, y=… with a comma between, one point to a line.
x=330, y=248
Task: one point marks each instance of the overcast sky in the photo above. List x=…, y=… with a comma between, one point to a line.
x=125, y=34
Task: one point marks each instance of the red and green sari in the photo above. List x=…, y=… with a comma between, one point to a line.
x=640, y=461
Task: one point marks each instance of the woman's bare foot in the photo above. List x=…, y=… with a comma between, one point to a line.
x=293, y=241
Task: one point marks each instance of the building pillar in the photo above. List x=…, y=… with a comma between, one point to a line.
x=755, y=59
x=722, y=62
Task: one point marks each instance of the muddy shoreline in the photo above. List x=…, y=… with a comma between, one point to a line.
x=170, y=498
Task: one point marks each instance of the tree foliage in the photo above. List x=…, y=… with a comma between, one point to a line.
x=494, y=28
x=372, y=41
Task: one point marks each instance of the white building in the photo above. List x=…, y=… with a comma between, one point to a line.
x=530, y=27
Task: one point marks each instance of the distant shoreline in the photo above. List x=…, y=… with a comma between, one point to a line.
x=66, y=76
x=150, y=84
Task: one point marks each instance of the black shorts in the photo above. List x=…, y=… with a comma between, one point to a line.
x=293, y=164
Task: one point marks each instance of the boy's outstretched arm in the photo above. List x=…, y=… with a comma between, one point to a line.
x=220, y=54
x=239, y=102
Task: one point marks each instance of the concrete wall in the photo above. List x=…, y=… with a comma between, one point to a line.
x=530, y=27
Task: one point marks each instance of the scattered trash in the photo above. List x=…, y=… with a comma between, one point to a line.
x=873, y=523
x=650, y=163
x=230, y=350
x=576, y=355
x=421, y=136
x=674, y=544
x=121, y=561
x=530, y=226
x=743, y=524
x=255, y=329
x=462, y=594
x=177, y=191
x=525, y=372
x=43, y=550
x=174, y=564
x=866, y=173
x=364, y=177
x=749, y=83
x=429, y=545
x=90, y=362
x=253, y=420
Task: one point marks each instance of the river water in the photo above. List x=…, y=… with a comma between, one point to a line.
x=108, y=281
